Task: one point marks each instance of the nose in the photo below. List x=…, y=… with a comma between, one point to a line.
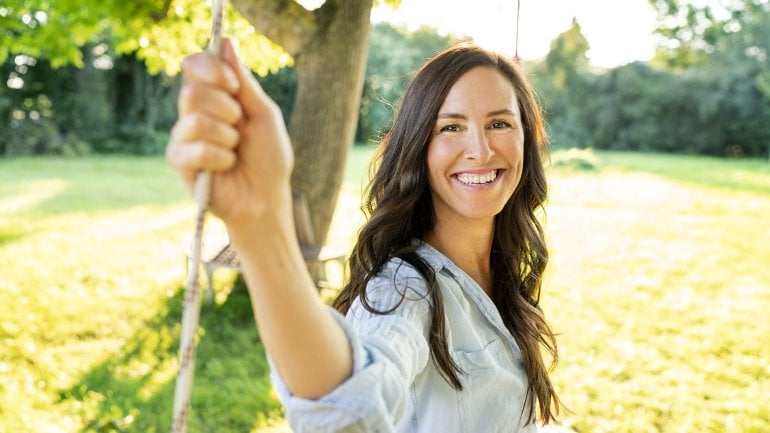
x=478, y=148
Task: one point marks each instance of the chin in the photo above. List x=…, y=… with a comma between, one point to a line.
x=481, y=214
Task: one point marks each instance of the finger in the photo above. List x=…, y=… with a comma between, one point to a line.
x=196, y=97
x=206, y=68
x=188, y=158
x=197, y=126
x=252, y=97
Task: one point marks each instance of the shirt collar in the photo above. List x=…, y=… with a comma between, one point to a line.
x=435, y=258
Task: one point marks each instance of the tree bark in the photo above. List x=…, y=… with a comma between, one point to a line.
x=329, y=50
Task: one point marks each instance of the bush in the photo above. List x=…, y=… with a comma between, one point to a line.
x=41, y=137
x=146, y=140
x=575, y=159
x=137, y=140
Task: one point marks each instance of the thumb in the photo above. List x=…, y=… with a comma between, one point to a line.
x=252, y=97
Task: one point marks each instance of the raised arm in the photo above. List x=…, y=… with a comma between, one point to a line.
x=228, y=125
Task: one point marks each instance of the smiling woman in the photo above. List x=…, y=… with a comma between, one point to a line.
x=475, y=153
x=442, y=329
x=474, y=251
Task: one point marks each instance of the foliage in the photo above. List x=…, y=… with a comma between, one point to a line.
x=728, y=41
x=716, y=107
x=654, y=319
x=159, y=32
x=281, y=86
x=694, y=32
x=393, y=57
x=713, y=99
x=561, y=80
x=106, y=106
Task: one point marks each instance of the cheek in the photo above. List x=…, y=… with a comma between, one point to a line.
x=439, y=156
x=511, y=148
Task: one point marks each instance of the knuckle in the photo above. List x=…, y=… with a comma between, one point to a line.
x=236, y=114
x=186, y=97
x=233, y=138
x=193, y=92
x=198, y=153
x=222, y=159
x=197, y=123
x=174, y=156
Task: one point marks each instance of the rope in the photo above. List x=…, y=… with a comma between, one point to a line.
x=518, y=13
x=192, y=304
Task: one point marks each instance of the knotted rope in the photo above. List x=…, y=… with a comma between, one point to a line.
x=192, y=302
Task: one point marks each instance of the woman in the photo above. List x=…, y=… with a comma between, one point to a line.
x=443, y=330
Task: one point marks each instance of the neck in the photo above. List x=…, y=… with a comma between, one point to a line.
x=469, y=246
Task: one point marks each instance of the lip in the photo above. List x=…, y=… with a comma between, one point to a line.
x=479, y=171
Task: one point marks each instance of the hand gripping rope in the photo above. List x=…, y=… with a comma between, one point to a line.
x=192, y=305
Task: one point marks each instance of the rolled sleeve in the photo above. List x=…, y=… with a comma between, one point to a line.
x=388, y=350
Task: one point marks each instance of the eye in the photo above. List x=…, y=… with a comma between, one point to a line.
x=450, y=128
x=500, y=124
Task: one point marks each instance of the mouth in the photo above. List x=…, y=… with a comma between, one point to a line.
x=472, y=179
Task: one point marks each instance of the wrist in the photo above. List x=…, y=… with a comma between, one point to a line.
x=262, y=233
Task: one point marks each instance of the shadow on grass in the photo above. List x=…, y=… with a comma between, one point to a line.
x=93, y=184
x=9, y=235
x=133, y=391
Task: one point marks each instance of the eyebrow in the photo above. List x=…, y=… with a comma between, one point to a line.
x=462, y=116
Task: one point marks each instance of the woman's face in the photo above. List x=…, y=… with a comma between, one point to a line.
x=476, y=149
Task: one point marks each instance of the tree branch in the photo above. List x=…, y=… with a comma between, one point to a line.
x=285, y=22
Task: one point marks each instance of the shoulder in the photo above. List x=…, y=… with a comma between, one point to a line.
x=410, y=273
x=398, y=289
x=399, y=278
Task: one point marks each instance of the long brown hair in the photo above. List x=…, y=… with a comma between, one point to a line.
x=399, y=207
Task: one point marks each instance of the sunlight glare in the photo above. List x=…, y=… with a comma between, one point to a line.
x=618, y=32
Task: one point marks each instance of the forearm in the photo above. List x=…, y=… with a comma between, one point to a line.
x=307, y=346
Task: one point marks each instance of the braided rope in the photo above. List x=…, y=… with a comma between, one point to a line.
x=518, y=12
x=192, y=302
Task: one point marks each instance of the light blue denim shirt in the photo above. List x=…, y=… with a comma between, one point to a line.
x=395, y=387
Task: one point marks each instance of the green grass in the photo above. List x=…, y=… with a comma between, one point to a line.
x=91, y=276
x=658, y=286
x=729, y=175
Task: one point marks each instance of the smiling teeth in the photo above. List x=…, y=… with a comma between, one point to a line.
x=476, y=179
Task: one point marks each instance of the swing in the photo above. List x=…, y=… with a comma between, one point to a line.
x=217, y=252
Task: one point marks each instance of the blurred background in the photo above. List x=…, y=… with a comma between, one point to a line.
x=659, y=117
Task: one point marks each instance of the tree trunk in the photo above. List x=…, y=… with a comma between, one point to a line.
x=330, y=72
x=329, y=50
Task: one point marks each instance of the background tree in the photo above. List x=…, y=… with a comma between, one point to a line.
x=562, y=81
x=729, y=43
x=392, y=59
x=327, y=46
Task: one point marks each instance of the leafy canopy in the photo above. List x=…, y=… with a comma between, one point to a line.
x=160, y=32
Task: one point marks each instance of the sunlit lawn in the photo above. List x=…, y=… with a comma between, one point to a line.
x=658, y=285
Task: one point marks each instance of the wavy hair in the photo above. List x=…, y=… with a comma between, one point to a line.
x=399, y=207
